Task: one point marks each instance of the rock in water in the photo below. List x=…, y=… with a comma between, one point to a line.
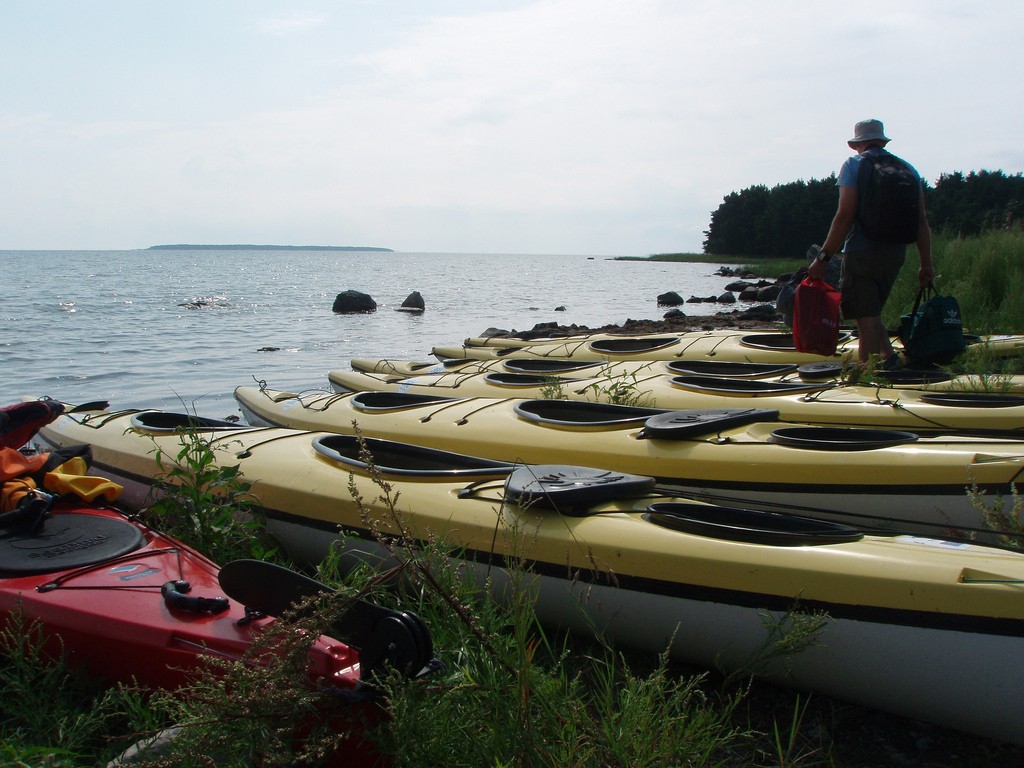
x=349, y=302
x=413, y=303
x=669, y=299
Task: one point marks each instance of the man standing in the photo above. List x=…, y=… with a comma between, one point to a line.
x=873, y=255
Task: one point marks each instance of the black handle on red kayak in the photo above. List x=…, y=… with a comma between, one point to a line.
x=174, y=596
x=384, y=637
x=24, y=515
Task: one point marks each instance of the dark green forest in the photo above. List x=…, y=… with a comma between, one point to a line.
x=781, y=222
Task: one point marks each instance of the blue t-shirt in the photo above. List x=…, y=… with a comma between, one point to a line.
x=855, y=239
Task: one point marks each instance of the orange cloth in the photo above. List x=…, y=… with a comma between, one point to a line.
x=13, y=491
x=15, y=468
x=13, y=463
x=70, y=477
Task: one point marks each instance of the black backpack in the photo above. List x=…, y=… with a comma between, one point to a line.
x=889, y=199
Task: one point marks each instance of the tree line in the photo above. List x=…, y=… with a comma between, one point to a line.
x=782, y=221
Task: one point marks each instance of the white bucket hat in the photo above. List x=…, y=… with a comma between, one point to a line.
x=868, y=130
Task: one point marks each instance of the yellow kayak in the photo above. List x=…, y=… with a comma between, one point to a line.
x=796, y=400
x=605, y=551
x=720, y=333
x=737, y=346
x=833, y=372
x=1005, y=344
x=881, y=478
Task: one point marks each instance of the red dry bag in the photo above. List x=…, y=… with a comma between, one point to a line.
x=816, y=317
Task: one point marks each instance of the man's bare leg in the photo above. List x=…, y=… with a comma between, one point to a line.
x=874, y=339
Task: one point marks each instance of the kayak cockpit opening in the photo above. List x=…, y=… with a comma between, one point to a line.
x=526, y=380
x=394, y=401
x=841, y=438
x=726, y=369
x=548, y=365
x=394, y=458
x=746, y=387
x=973, y=399
x=583, y=413
x=781, y=341
x=632, y=346
x=749, y=525
x=167, y=421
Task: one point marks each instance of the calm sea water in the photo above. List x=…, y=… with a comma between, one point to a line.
x=122, y=325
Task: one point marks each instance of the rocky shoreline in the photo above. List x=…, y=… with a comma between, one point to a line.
x=748, y=287
x=760, y=317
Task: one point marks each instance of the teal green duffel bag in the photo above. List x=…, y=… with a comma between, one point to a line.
x=932, y=333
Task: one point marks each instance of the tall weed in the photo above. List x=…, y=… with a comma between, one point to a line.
x=50, y=714
x=207, y=502
x=622, y=388
x=1003, y=514
x=262, y=709
x=513, y=693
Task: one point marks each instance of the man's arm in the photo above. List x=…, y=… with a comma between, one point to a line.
x=846, y=213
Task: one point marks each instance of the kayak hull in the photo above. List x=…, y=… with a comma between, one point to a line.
x=844, y=662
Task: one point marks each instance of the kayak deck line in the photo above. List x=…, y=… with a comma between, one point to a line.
x=890, y=525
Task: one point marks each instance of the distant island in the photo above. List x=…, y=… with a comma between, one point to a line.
x=191, y=247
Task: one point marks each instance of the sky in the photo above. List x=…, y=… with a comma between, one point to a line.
x=598, y=127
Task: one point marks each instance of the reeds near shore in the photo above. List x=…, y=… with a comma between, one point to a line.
x=984, y=273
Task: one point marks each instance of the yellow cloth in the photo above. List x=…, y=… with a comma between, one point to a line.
x=70, y=477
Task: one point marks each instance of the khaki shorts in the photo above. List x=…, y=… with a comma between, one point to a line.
x=867, y=280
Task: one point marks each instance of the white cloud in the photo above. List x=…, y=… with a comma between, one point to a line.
x=289, y=25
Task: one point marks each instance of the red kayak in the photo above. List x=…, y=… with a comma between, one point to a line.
x=129, y=603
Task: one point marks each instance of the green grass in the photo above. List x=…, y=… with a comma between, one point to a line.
x=985, y=273
x=52, y=715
